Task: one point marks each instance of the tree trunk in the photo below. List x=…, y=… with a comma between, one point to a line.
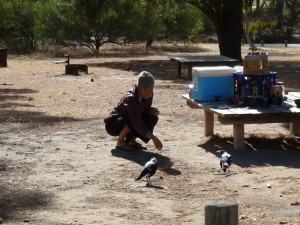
x=227, y=18
x=230, y=29
x=32, y=47
x=148, y=44
x=97, y=47
x=248, y=38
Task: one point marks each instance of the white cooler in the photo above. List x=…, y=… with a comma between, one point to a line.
x=214, y=83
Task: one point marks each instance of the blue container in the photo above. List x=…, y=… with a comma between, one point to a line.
x=212, y=83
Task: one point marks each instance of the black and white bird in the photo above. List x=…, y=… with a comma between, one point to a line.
x=225, y=161
x=149, y=170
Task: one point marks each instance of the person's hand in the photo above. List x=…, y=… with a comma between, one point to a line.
x=158, y=144
x=154, y=111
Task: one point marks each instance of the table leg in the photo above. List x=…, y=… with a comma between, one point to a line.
x=179, y=70
x=238, y=137
x=295, y=128
x=189, y=72
x=208, y=123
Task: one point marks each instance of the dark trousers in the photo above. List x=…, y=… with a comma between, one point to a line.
x=115, y=125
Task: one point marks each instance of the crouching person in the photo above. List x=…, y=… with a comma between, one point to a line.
x=134, y=117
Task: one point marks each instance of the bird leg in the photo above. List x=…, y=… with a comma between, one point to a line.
x=220, y=169
x=227, y=170
x=148, y=181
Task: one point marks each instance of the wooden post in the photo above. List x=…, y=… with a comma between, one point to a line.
x=221, y=212
x=179, y=70
x=295, y=128
x=3, y=57
x=238, y=136
x=189, y=72
x=208, y=123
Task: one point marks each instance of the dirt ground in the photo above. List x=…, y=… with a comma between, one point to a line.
x=59, y=167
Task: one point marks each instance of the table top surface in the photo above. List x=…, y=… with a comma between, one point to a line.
x=226, y=109
x=203, y=58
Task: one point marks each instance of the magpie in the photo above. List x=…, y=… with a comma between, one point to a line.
x=149, y=170
x=225, y=161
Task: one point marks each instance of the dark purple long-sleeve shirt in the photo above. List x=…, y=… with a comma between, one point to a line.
x=132, y=105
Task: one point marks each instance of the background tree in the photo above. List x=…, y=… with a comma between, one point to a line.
x=273, y=20
x=251, y=14
x=186, y=23
x=17, y=24
x=287, y=17
x=144, y=22
x=226, y=15
x=89, y=23
x=49, y=23
x=166, y=20
x=93, y=23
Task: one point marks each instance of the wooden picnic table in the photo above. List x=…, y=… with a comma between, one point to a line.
x=203, y=60
x=238, y=116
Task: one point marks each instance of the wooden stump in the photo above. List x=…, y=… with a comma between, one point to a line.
x=3, y=57
x=71, y=69
x=221, y=212
x=74, y=69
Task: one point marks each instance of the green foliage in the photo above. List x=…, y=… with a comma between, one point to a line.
x=187, y=23
x=287, y=14
x=258, y=26
x=25, y=24
x=49, y=22
x=92, y=23
x=273, y=20
x=17, y=24
x=142, y=21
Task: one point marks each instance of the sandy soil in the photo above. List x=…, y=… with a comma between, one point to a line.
x=58, y=165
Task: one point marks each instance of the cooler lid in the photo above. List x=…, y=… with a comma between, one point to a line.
x=213, y=71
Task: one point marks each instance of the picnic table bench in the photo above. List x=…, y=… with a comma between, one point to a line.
x=203, y=60
x=238, y=116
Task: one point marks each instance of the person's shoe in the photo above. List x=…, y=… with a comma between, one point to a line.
x=138, y=146
x=126, y=147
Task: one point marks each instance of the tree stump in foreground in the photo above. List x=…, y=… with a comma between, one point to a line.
x=221, y=212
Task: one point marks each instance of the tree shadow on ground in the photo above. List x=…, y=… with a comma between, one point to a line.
x=288, y=71
x=14, y=200
x=17, y=91
x=15, y=196
x=167, y=70
x=260, y=151
x=141, y=157
x=10, y=112
x=13, y=104
x=161, y=69
x=129, y=51
x=15, y=116
x=15, y=94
